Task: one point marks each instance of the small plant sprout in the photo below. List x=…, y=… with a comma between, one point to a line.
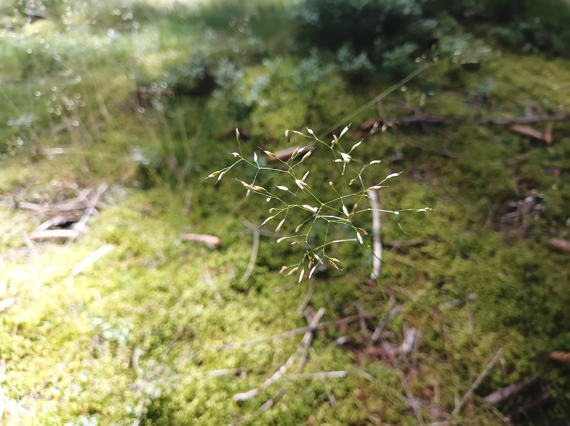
x=339, y=213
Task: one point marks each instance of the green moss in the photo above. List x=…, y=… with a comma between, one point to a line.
x=150, y=295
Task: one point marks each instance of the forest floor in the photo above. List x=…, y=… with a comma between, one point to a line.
x=100, y=150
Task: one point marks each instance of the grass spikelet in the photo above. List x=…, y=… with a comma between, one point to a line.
x=292, y=271
x=280, y=226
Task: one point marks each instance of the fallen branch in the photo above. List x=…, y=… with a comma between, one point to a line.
x=362, y=318
x=89, y=211
x=418, y=118
x=29, y=206
x=382, y=324
x=502, y=394
x=302, y=350
x=411, y=398
x=89, y=260
x=285, y=154
x=477, y=382
x=54, y=221
x=233, y=371
x=376, y=227
x=53, y=233
x=287, y=335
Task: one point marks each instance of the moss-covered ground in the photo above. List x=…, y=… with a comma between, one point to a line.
x=122, y=342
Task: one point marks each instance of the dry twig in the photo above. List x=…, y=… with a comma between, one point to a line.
x=418, y=118
x=287, y=335
x=376, y=228
x=508, y=391
x=477, y=382
x=301, y=352
x=382, y=324
x=559, y=245
x=89, y=260
x=411, y=398
x=53, y=233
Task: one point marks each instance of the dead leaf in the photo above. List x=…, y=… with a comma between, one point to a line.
x=210, y=241
x=525, y=131
x=559, y=245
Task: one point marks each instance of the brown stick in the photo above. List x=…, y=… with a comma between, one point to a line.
x=52, y=233
x=287, y=335
x=402, y=378
x=92, y=258
x=477, y=382
x=376, y=227
x=302, y=350
x=476, y=121
x=380, y=328
x=506, y=392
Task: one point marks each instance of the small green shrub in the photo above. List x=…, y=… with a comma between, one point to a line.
x=389, y=35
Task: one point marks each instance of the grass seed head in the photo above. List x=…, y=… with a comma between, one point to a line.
x=270, y=154
x=307, y=155
x=214, y=174
x=345, y=130
x=292, y=271
x=280, y=225
x=311, y=273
